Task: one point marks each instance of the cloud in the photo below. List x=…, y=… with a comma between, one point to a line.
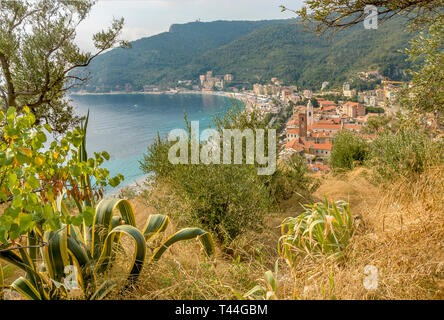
x=148, y=17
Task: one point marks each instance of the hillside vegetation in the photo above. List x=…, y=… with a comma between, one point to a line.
x=398, y=230
x=253, y=52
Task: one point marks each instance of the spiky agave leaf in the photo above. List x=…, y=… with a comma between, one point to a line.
x=81, y=258
x=83, y=157
x=103, y=219
x=103, y=290
x=26, y=289
x=33, y=276
x=155, y=224
x=104, y=260
x=55, y=253
x=205, y=239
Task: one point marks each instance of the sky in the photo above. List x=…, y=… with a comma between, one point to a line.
x=144, y=18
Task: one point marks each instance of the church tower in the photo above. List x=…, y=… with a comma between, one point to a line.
x=309, y=113
x=302, y=125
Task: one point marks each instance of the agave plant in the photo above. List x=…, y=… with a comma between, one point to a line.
x=92, y=252
x=324, y=228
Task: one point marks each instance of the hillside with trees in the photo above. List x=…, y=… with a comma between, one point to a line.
x=253, y=52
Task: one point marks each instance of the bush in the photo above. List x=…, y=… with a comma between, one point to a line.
x=292, y=177
x=349, y=151
x=33, y=174
x=227, y=199
x=408, y=152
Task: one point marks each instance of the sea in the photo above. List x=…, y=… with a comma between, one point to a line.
x=125, y=125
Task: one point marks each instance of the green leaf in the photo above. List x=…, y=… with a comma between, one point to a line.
x=105, y=155
x=155, y=224
x=103, y=221
x=26, y=222
x=33, y=182
x=26, y=289
x=9, y=157
x=12, y=180
x=204, y=237
x=139, y=256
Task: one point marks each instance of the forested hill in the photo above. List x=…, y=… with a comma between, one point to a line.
x=253, y=51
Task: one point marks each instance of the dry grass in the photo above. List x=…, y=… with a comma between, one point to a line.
x=400, y=231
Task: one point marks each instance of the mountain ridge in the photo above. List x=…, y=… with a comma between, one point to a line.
x=254, y=51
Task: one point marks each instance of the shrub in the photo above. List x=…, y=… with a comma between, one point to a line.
x=227, y=199
x=322, y=229
x=407, y=153
x=349, y=151
x=32, y=175
x=291, y=178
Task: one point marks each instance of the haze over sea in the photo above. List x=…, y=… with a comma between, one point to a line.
x=125, y=125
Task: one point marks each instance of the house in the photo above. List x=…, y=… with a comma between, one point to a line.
x=321, y=149
x=352, y=127
x=326, y=127
x=326, y=103
x=295, y=145
x=308, y=94
x=322, y=137
x=285, y=94
x=353, y=109
x=329, y=110
x=292, y=124
x=292, y=133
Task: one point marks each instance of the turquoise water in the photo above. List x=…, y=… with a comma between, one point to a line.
x=125, y=125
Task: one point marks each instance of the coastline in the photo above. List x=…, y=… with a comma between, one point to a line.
x=239, y=96
x=138, y=183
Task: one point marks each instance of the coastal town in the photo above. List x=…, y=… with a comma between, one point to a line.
x=308, y=121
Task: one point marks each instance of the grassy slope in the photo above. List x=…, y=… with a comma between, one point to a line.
x=400, y=232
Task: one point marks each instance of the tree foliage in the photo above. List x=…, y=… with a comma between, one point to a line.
x=405, y=153
x=425, y=93
x=39, y=60
x=253, y=54
x=228, y=199
x=33, y=175
x=349, y=151
x=338, y=14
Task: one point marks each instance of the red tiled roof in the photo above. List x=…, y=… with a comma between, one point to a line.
x=329, y=108
x=292, y=122
x=329, y=121
x=321, y=134
x=352, y=104
x=356, y=127
x=322, y=146
x=325, y=103
x=295, y=145
x=326, y=126
x=294, y=131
